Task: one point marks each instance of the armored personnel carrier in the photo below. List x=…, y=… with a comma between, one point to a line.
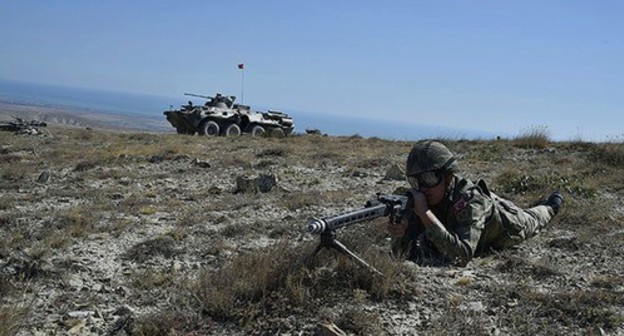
x=221, y=116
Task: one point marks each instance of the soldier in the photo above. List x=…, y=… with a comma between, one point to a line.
x=455, y=218
x=188, y=106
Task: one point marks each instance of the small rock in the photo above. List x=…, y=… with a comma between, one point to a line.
x=475, y=306
x=395, y=173
x=266, y=182
x=263, y=183
x=75, y=282
x=214, y=190
x=201, y=164
x=80, y=314
x=125, y=181
x=44, y=177
x=156, y=159
x=356, y=173
x=122, y=311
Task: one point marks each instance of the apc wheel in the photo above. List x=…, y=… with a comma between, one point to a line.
x=278, y=133
x=257, y=131
x=209, y=128
x=232, y=130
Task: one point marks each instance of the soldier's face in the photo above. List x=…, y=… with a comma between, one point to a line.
x=435, y=194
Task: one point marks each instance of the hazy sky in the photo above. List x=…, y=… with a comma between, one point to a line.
x=499, y=66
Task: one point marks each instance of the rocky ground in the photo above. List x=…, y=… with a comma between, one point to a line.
x=134, y=233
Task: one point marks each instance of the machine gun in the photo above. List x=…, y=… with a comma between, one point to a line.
x=381, y=206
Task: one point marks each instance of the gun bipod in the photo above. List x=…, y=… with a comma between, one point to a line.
x=328, y=240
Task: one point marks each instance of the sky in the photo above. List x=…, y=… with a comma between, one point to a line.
x=504, y=67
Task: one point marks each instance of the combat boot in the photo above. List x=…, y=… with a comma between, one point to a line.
x=555, y=201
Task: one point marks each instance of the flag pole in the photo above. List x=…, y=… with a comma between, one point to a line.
x=241, y=66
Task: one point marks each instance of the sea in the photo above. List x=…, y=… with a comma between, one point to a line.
x=150, y=108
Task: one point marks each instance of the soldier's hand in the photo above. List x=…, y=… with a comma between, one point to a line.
x=420, y=205
x=397, y=228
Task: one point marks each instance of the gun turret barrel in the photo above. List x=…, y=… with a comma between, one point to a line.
x=316, y=225
x=197, y=95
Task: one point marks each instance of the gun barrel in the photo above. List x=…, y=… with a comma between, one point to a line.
x=197, y=95
x=319, y=225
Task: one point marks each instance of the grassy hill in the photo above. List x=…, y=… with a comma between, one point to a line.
x=123, y=233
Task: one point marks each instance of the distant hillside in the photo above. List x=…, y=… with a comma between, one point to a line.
x=83, y=117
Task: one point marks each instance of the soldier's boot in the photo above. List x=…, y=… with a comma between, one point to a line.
x=555, y=201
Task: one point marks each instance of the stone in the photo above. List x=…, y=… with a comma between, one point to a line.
x=263, y=183
x=44, y=177
x=80, y=314
x=201, y=164
x=395, y=173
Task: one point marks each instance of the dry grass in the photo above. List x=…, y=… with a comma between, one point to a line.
x=609, y=153
x=12, y=318
x=241, y=262
x=534, y=137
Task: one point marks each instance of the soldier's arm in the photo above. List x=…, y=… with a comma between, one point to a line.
x=409, y=227
x=459, y=245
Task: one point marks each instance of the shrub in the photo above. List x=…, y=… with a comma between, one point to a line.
x=534, y=137
x=609, y=153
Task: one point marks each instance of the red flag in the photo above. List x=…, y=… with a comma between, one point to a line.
x=241, y=66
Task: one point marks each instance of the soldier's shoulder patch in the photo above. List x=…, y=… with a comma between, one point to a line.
x=460, y=204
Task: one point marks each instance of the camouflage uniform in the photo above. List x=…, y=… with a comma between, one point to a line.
x=475, y=221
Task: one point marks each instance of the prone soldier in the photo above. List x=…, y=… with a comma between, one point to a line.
x=455, y=218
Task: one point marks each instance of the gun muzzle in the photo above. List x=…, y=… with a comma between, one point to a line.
x=316, y=225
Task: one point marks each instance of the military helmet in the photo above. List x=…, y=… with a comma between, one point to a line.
x=428, y=156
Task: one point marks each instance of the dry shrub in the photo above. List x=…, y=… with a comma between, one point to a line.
x=534, y=137
x=298, y=199
x=169, y=323
x=6, y=158
x=579, y=309
x=359, y=322
x=364, y=241
x=134, y=203
x=522, y=267
x=235, y=230
x=278, y=151
x=75, y=222
x=457, y=321
x=609, y=153
x=227, y=161
x=160, y=246
x=250, y=278
x=588, y=218
x=12, y=318
x=188, y=219
x=14, y=174
x=85, y=165
x=514, y=182
x=148, y=279
x=6, y=220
